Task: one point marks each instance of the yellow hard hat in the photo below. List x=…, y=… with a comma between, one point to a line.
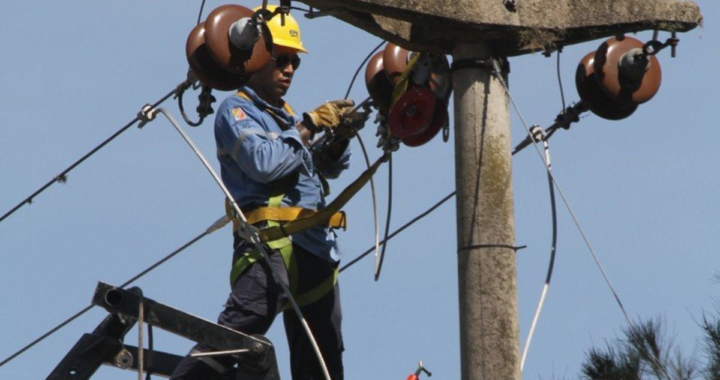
x=287, y=35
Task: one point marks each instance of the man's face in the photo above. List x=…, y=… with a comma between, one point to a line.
x=273, y=81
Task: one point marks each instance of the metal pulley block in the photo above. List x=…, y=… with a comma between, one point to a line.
x=412, y=113
x=439, y=121
x=413, y=90
x=226, y=47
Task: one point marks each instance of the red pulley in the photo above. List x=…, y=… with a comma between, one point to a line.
x=234, y=60
x=593, y=95
x=395, y=60
x=412, y=113
x=378, y=84
x=439, y=121
x=625, y=72
x=204, y=65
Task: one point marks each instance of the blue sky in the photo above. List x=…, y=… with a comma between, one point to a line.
x=72, y=73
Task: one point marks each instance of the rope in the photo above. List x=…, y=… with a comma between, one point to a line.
x=217, y=225
x=562, y=195
x=62, y=177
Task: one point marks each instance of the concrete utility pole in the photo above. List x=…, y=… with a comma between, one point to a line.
x=486, y=223
x=478, y=30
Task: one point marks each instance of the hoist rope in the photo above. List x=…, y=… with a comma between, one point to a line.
x=62, y=177
x=214, y=227
x=498, y=75
x=252, y=234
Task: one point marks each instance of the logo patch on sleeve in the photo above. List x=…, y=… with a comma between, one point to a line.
x=238, y=113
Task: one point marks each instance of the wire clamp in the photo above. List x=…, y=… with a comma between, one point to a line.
x=537, y=133
x=146, y=114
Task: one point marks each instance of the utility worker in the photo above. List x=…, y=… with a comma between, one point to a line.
x=267, y=166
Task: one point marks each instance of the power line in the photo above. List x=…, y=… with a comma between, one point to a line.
x=217, y=225
x=62, y=177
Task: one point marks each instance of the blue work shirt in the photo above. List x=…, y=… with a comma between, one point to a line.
x=258, y=144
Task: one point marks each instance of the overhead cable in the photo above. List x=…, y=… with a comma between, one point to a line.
x=562, y=195
x=251, y=233
x=62, y=177
x=214, y=227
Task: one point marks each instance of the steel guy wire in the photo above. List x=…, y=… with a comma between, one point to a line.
x=214, y=227
x=63, y=175
x=250, y=233
x=498, y=75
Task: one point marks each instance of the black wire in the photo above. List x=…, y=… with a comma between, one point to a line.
x=62, y=176
x=85, y=310
x=551, y=266
x=387, y=221
x=201, y=11
x=562, y=91
x=399, y=230
x=352, y=82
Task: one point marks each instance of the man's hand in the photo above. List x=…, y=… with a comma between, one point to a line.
x=327, y=115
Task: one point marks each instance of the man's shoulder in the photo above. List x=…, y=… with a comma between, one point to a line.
x=238, y=108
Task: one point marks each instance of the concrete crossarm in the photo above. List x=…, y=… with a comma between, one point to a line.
x=437, y=25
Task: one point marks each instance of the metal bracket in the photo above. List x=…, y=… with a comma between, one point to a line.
x=105, y=344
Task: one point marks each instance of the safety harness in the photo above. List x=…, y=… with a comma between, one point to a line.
x=281, y=222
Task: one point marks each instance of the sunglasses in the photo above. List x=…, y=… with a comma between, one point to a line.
x=283, y=60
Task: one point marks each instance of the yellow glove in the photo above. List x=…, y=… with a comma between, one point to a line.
x=327, y=115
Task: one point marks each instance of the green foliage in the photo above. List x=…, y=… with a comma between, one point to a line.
x=643, y=355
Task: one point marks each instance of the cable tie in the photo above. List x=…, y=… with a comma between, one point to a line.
x=485, y=246
x=146, y=114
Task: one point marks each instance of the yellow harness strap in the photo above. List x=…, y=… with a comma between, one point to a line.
x=324, y=215
x=288, y=214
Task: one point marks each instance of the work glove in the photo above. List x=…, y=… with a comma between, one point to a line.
x=327, y=115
